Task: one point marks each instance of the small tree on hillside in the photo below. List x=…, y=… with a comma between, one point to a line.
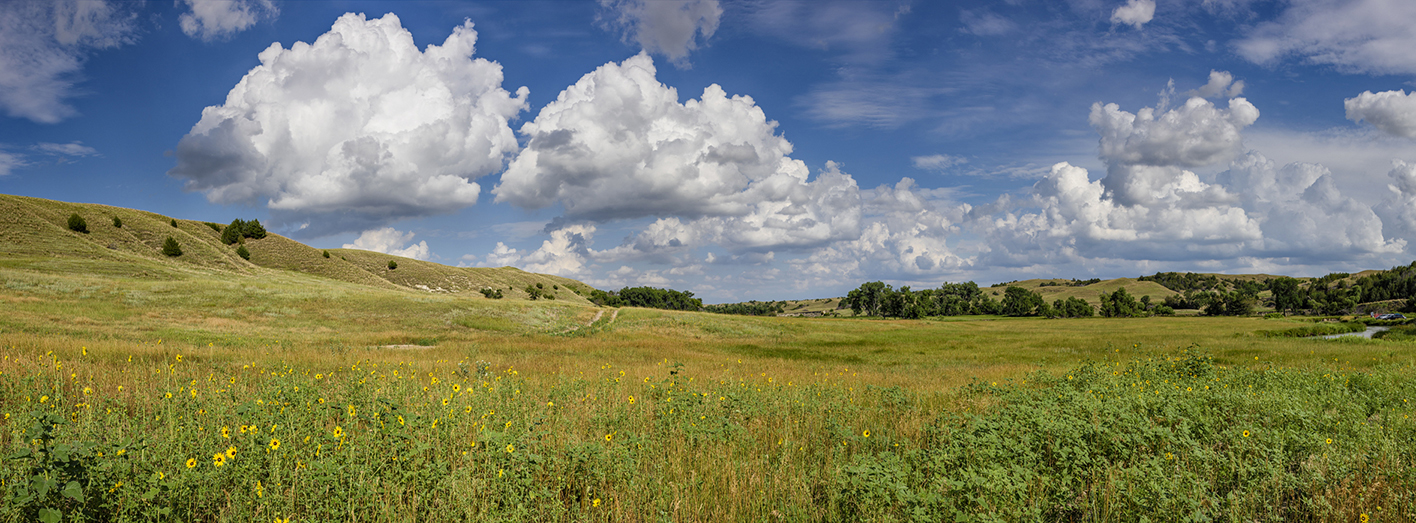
x=77, y=223
x=174, y=222
x=118, y=223
x=244, y=253
x=171, y=248
x=392, y=265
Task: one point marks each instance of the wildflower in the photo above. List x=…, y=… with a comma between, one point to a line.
x=243, y=429
x=1329, y=441
x=444, y=401
x=319, y=376
x=595, y=503
x=169, y=395
x=456, y=387
x=43, y=399
x=1364, y=517
x=866, y=433
x=400, y=419
x=351, y=411
x=1246, y=433
x=609, y=437
x=88, y=391
x=191, y=462
x=510, y=448
x=338, y=432
x=219, y=459
x=231, y=452
x=321, y=401
x=631, y=400
x=260, y=490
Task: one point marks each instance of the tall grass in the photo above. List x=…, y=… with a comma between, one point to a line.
x=191, y=435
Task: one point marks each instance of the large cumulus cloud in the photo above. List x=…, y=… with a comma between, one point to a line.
x=619, y=145
x=357, y=129
x=1393, y=112
x=1151, y=207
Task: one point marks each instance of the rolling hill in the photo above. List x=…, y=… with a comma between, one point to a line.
x=34, y=235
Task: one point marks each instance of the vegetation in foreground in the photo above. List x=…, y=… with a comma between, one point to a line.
x=171, y=436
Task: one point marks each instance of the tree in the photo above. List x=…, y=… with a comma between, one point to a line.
x=232, y=233
x=171, y=248
x=1018, y=301
x=244, y=253
x=1120, y=304
x=868, y=298
x=118, y=223
x=174, y=222
x=1286, y=294
x=392, y=265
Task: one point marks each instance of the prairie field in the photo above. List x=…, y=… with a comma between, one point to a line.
x=307, y=385
x=204, y=396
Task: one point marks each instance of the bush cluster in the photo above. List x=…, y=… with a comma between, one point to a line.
x=240, y=229
x=495, y=294
x=171, y=248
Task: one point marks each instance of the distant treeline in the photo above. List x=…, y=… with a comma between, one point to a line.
x=650, y=297
x=1330, y=294
x=958, y=299
x=750, y=308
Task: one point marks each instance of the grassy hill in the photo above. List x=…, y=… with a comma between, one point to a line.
x=34, y=235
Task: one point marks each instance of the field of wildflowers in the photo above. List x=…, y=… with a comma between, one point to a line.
x=154, y=433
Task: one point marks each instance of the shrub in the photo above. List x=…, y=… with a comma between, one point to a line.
x=1273, y=316
x=243, y=252
x=77, y=223
x=532, y=292
x=214, y=226
x=326, y=254
x=171, y=248
x=117, y=222
x=495, y=294
x=539, y=286
x=232, y=233
x=174, y=222
x=392, y=265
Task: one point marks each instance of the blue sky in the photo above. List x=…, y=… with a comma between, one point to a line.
x=741, y=149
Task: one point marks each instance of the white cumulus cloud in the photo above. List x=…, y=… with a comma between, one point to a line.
x=1135, y=13
x=388, y=240
x=1398, y=211
x=43, y=44
x=1145, y=151
x=619, y=145
x=210, y=20
x=1393, y=112
x=9, y=162
x=1356, y=36
x=359, y=128
x=672, y=28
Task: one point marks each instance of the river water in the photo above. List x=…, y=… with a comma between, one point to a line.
x=1365, y=334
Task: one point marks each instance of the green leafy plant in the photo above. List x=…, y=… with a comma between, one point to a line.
x=77, y=223
x=244, y=253
x=171, y=248
x=326, y=254
x=174, y=222
x=392, y=265
x=117, y=222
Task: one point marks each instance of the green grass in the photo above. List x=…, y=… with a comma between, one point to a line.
x=732, y=418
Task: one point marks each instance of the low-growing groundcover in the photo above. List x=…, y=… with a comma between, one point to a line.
x=1173, y=437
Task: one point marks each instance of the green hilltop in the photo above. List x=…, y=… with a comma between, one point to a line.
x=35, y=235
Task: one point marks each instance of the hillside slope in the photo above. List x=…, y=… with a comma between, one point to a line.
x=34, y=235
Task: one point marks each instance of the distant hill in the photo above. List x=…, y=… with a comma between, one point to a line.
x=34, y=234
